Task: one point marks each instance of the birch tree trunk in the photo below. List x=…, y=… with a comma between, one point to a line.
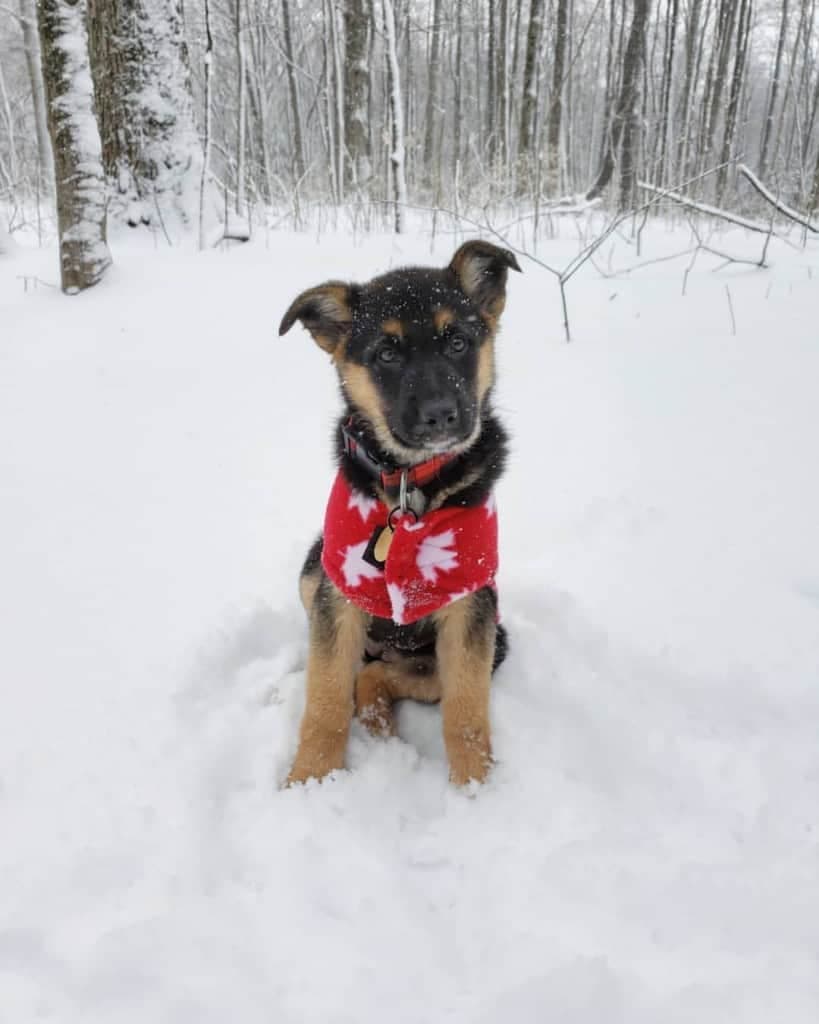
x=79, y=177
x=397, y=115
x=150, y=148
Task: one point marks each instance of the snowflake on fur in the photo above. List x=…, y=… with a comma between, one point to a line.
x=437, y=554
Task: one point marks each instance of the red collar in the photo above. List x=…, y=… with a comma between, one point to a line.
x=389, y=475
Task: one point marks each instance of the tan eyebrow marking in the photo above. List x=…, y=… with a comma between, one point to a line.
x=393, y=327
x=443, y=317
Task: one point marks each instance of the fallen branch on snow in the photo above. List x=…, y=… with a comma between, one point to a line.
x=767, y=195
x=706, y=208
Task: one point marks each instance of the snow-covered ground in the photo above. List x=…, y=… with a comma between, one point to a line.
x=647, y=848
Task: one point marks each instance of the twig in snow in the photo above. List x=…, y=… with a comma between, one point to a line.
x=731, y=310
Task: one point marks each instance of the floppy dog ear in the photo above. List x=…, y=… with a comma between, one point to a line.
x=480, y=269
x=326, y=312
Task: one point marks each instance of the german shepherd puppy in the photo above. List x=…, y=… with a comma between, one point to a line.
x=414, y=352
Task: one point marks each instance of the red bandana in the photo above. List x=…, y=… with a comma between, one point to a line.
x=430, y=563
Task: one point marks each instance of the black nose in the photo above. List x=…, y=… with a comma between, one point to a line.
x=437, y=415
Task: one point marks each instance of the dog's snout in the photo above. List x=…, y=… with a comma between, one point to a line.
x=438, y=414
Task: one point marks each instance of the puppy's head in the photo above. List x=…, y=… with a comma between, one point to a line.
x=414, y=348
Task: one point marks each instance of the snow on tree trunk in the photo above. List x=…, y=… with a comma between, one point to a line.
x=356, y=92
x=78, y=172
x=141, y=74
x=397, y=112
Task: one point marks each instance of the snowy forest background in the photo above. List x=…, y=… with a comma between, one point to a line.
x=250, y=112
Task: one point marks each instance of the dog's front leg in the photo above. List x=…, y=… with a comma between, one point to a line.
x=336, y=648
x=465, y=648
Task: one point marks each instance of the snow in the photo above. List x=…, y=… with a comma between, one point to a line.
x=646, y=847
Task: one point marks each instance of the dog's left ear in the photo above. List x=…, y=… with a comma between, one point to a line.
x=481, y=269
x=326, y=311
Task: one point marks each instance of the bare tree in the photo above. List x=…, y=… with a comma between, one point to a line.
x=774, y=89
x=396, y=115
x=556, y=105
x=623, y=131
x=78, y=172
x=529, y=100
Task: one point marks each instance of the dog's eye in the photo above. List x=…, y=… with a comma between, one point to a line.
x=456, y=344
x=387, y=352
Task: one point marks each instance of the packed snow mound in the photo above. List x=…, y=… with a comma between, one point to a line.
x=646, y=846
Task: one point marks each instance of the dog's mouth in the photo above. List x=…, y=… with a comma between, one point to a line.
x=411, y=450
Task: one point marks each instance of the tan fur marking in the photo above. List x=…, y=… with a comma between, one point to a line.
x=308, y=585
x=331, y=668
x=486, y=368
x=442, y=318
x=468, y=268
x=465, y=668
x=466, y=481
x=393, y=327
x=362, y=392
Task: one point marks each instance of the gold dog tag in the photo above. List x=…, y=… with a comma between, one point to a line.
x=382, y=545
x=378, y=545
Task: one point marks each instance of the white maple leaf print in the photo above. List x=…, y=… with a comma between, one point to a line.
x=361, y=502
x=354, y=567
x=398, y=600
x=436, y=554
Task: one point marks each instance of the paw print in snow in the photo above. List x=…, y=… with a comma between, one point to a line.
x=437, y=554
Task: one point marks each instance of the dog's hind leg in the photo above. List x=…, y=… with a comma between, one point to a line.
x=336, y=649
x=381, y=683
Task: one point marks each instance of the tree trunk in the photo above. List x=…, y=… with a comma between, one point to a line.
x=769, y=117
x=356, y=92
x=626, y=111
x=737, y=80
x=241, y=114
x=503, y=84
x=556, y=105
x=529, y=101
x=139, y=60
x=293, y=88
x=397, y=115
x=665, y=100
x=31, y=44
x=78, y=172
x=208, y=133
x=433, y=80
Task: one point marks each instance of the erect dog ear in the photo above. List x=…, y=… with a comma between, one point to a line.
x=480, y=269
x=326, y=312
